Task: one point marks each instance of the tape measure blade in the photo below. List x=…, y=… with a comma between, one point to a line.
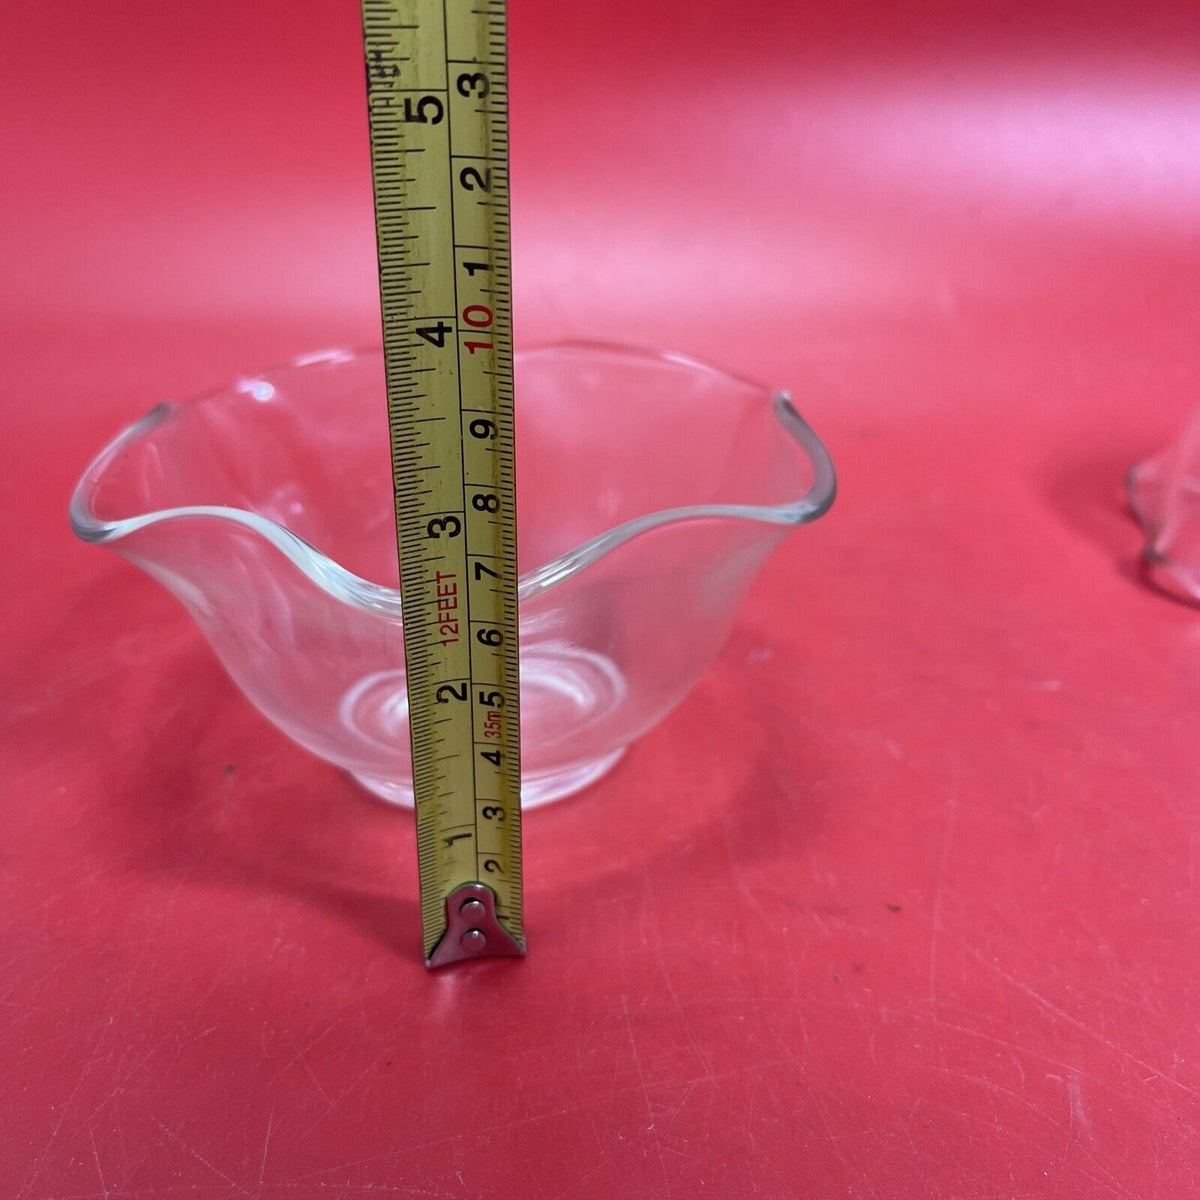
x=438, y=103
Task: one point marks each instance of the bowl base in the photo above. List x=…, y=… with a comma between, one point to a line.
x=537, y=787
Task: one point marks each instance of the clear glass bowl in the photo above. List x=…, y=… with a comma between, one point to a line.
x=1164, y=492
x=651, y=489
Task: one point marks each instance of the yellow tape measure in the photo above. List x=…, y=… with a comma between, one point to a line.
x=437, y=88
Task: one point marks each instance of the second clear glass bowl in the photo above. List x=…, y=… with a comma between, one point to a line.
x=651, y=489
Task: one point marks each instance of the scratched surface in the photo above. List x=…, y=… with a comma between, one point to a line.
x=928, y=928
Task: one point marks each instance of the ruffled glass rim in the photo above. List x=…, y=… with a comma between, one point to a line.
x=377, y=598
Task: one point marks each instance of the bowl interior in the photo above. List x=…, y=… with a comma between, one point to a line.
x=603, y=436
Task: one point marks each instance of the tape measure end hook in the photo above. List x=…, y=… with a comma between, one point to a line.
x=472, y=929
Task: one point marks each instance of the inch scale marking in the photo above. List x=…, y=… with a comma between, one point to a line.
x=437, y=94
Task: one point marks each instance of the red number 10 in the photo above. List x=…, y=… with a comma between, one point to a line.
x=479, y=317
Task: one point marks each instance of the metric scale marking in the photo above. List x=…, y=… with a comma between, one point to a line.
x=437, y=93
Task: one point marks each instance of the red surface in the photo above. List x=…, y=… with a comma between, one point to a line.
x=903, y=901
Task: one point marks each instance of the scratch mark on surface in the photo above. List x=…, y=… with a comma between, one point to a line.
x=637, y=1062
x=1193, y=842
x=233, y=1183
x=344, y=1189
x=586, y=1105
x=62, y=1116
x=818, y=1107
x=342, y=1096
x=262, y=1170
x=999, y=1089
x=1041, y=1056
x=1112, y=1184
x=1079, y=1119
x=664, y=971
x=936, y=929
x=487, y=1131
x=299, y=1055
x=1062, y=1014
x=603, y=1162
x=96, y=1156
x=316, y=1082
x=1079, y=1114
x=933, y=1188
